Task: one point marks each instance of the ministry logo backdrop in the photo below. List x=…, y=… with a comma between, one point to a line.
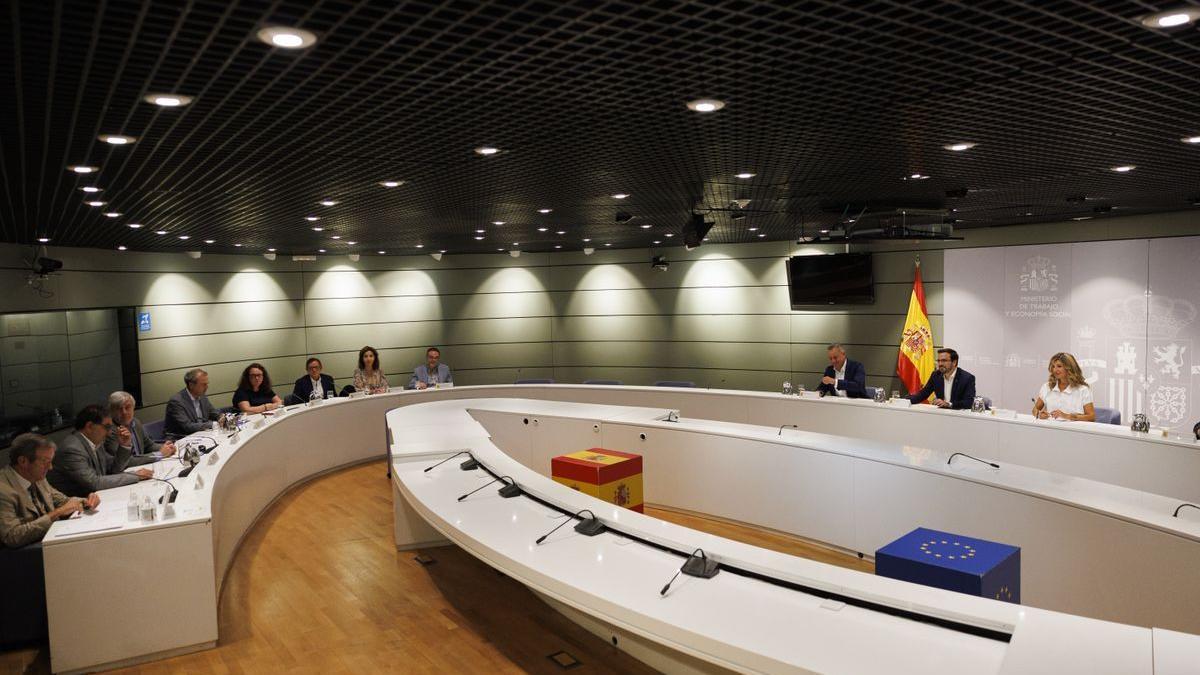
x=1126, y=309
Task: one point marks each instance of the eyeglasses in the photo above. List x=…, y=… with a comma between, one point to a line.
x=258, y=375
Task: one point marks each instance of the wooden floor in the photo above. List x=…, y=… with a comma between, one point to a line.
x=318, y=587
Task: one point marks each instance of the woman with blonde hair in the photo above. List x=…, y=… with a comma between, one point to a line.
x=368, y=376
x=1065, y=395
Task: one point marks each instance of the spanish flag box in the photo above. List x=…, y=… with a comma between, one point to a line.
x=615, y=477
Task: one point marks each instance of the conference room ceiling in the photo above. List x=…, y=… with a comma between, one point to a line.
x=832, y=106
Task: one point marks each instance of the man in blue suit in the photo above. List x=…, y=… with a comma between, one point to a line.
x=315, y=380
x=843, y=377
x=948, y=378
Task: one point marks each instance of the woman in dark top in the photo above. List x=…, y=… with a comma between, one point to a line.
x=254, y=394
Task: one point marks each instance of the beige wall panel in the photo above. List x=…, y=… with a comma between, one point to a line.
x=666, y=355
x=879, y=329
x=19, y=297
x=225, y=317
x=879, y=361
x=329, y=312
x=185, y=351
x=889, y=299
x=706, y=273
x=501, y=375
x=359, y=284
x=425, y=333
x=111, y=289
x=97, y=343
x=721, y=327
x=715, y=378
x=32, y=349
x=90, y=320
x=451, y=261
x=898, y=266
x=770, y=300
x=519, y=355
x=222, y=380
x=33, y=323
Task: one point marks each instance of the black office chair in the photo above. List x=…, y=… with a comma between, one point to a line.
x=674, y=383
x=535, y=381
x=292, y=399
x=611, y=382
x=347, y=390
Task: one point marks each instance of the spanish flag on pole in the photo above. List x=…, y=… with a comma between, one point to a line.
x=916, y=361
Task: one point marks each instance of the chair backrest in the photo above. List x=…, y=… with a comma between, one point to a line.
x=674, y=383
x=987, y=402
x=1108, y=415
x=602, y=382
x=871, y=391
x=154, y=430
x=292, y=399
x=535, y=381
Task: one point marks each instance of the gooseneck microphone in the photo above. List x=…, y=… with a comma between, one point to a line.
x=981, y=461
x=174, y=490
x=463, y=452
x=1176, y=514
x=695, y=566
x=589, y=527
x=510, y=489
x=787, y=426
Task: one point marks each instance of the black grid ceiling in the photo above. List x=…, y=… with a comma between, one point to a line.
x=830, y=104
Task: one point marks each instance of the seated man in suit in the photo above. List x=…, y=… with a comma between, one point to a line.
x=951, y=386
x=81, y=464
x=28, y=505
x=189, y=411
x=129, y=434
x=314, y=381
x=843, y=377
x=431, y=372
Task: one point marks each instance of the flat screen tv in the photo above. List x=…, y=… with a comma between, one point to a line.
x=841, y=279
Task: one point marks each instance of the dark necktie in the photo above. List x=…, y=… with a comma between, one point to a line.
x=37, y=500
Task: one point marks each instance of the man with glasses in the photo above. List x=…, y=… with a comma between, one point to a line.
x=82, y=465
x=28, y=505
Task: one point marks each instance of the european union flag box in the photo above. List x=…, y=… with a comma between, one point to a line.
x=955, y=563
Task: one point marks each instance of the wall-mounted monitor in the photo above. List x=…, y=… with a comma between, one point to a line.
x=841, y=279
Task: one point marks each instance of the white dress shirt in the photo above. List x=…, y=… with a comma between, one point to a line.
x=840, y=375
x=1069, y=400
x=948, y=385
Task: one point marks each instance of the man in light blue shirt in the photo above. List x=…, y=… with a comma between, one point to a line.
x=432, y=372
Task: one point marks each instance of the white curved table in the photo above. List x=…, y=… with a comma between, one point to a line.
x=221, y=500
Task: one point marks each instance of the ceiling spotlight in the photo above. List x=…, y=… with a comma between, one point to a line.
x=168, y=100
x=318, y=229
x=120, y=248
x=542, y=229
x=1171, y=18
x=83, y=169
x=95, y=203
x=478, y=238
x=657, y=242
x=746, y=174
x=959, y=147
x=312, y=219
x=113, y=214
x=561, y=232
x=558, y=246
x=1123, y=169
x=479, y=231
x=705, y=105
x=336, y=236
x=646, y=226
x=608, y=244
x=586, y=240
x=391, y=183
x=287, y=38
x=271, y=250
x=418, y=245
x=669, y=234
x=135, y=226
x=381, y=252
x=328, y=202
x=497, y=222
x=320, y=250
x=185, y=237
x=761, y=235
x=1082, y=218
x=160, y=232
x=752, y=229
x=620, y=195
x=545, y=210
x=1189, y=139
x=210, y=241
x=89, y=189
x=486, y=150
x=917, y=176
x=117, y=139
x=351, y=243
x=44, y=240
x=237, y=245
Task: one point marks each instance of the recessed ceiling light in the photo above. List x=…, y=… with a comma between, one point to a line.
x=136, y=226
x=271, y=250
x=561, y=232
x=237, y=245
x=959, y=147
x=761, y=235
x=318, y=229
x=479, y=231
x=917, y=176
x=586, y=240
x=558, y=246
x=745, y=174
x=516, y=243
x=185, y=237
x=545, y=210
x=336, y=236
x=1082, y=218
x=89, y=189
x=1123, y=169
x=705, y=105
x=498, y=222
x=442, y=250
x=287, y=37
x=95, y=203
x=312, y=219
x=113, y=214
x=351, y=243
x=420, y=245
x=608, y=243
x=1189, y=139
x=392, y=183
x=79, y=168
x=752, y=229
x=620, y=195
x=486, y=150
x=168, y=100
x=320, y=250
x=44, y=240
x=117, y=139
x=381, y=252
x=210, y=241
x=328, y=202
x=657, y=241
x=542, y=229
x=646, y=226
x=669, y=234
x=160, y=232
x=120, y=248
x=1171, y=18
x=478, y=238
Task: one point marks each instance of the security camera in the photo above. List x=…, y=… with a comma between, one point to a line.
x=46, y=266
x=436, y=256
x=194, y=255
x=660, y=263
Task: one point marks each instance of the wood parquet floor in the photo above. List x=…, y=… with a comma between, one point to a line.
x=318, y=587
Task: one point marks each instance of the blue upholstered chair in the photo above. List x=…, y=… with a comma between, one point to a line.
x=612, y=382
x=154, y=430
x=674, y=383
x=535, y=381
x=1108, y=415
x=871, y=391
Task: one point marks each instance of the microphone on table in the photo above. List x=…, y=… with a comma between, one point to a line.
x=695, y=566
x=468, y=465
x=174, y=490
x=982, y=461
x=588, y=527
x=510, y=489
x=1176, y=514
x=787, y=426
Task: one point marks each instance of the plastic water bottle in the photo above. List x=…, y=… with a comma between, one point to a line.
x=314, y=397
x=787, y=387
x=131, y=510
x=977, y=405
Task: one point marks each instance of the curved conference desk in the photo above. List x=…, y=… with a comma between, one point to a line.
x=1108, y=579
